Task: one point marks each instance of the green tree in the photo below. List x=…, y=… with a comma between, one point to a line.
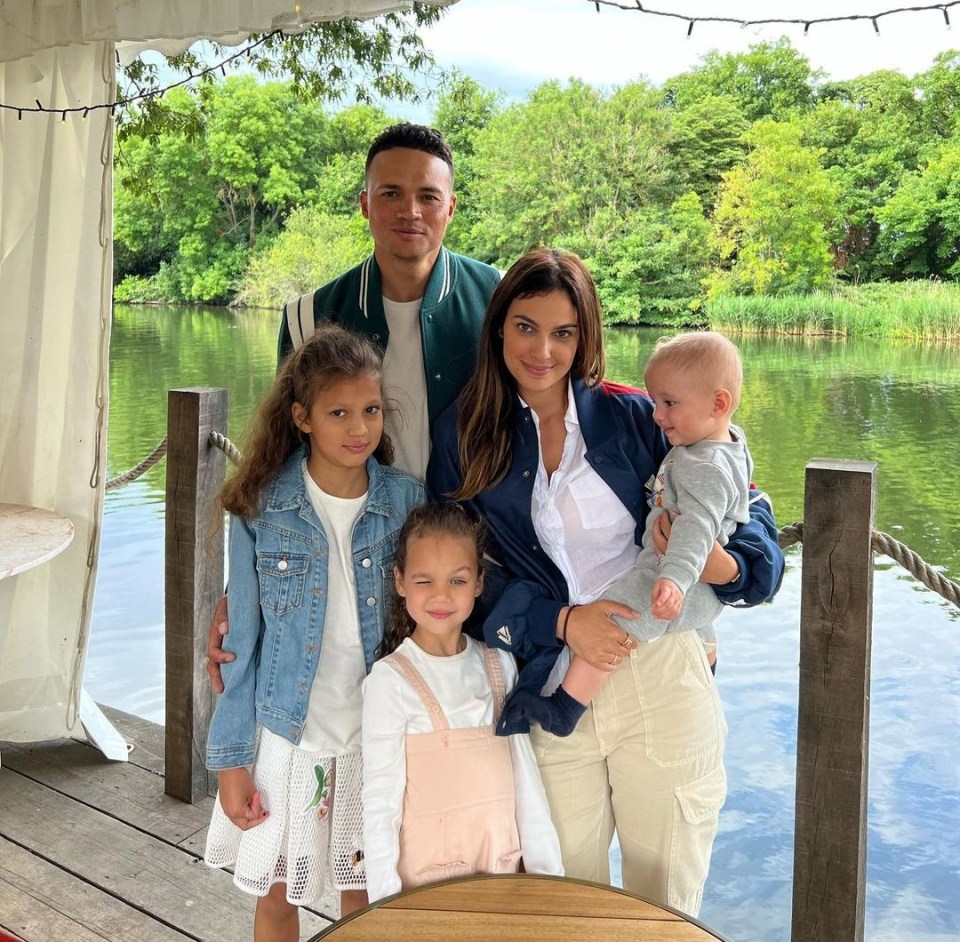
x=651, y=271
x=463, y=109
x=868, y=133
x=939, y=96
x=769, y=80
x=770, y=225
x=706, y=139
x=920, y=224
x=200, y=204
x=314, y=247
x=546, y=167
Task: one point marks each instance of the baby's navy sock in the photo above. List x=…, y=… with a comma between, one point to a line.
x=557, y=714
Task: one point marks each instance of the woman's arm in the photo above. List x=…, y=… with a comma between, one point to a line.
x=384, y=780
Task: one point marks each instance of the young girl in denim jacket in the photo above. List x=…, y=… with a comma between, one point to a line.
x=315, y=518
x=443, y=795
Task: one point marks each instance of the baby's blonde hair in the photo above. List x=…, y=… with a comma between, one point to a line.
x=710, y=358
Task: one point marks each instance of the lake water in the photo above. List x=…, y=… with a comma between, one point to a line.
x=896, y=404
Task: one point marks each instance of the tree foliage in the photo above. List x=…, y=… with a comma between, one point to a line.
x=770, y=223
x=747, y=174
x=382, y=56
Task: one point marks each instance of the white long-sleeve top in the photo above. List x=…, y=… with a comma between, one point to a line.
x=392, y=709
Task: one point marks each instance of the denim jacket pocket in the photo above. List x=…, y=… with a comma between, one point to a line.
x=282, y=577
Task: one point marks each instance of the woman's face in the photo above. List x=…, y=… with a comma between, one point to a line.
x=540, y=339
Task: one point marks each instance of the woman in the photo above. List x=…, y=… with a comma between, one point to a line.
x=556, y=461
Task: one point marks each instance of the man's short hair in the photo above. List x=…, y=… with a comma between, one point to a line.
x=413, y=137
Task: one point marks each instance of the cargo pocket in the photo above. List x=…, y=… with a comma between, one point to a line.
x=694, y=828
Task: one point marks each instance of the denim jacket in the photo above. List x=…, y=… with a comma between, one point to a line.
x=278, y=585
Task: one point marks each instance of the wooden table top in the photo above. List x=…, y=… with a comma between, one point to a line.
x=30, y=536
x=527, y=907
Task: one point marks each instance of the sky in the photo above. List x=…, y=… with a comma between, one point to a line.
x=514, y=45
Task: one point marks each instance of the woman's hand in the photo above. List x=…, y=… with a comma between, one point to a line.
x=720, y=567
x=240, y=800
x=594, y=636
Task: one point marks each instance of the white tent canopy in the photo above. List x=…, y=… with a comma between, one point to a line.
x=56, y=263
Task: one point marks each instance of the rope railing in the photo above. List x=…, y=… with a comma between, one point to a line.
x=216, y=440
x=900, y=553
x=122, y=480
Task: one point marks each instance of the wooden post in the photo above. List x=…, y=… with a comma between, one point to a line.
x=193, y=581
x=836, y=610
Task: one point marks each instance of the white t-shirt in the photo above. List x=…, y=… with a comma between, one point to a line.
x=336, y=701
x=406, y=419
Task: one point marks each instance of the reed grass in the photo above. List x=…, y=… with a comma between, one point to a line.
x=917, y=310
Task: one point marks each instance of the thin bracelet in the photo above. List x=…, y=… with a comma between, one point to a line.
x=566, y=618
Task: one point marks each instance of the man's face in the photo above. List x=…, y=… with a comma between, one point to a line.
x=408, y=202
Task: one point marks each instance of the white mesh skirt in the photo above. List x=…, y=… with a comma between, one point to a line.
x=313, y=837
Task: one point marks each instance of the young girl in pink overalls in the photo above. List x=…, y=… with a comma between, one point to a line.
x=442, y=795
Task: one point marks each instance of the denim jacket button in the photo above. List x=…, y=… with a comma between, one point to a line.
x=371, y=601
x=525, y=474
x=365, y=564
x=282, y=565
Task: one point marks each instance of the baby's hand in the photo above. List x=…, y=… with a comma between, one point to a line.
x=666, y=600
x=240, y=800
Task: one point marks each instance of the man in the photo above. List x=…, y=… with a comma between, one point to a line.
x=420, y=302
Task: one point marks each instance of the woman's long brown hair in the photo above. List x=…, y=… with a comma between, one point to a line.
x=485, y=423
x=332, y=354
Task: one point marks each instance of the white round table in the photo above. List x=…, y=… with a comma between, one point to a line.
x=30, y=536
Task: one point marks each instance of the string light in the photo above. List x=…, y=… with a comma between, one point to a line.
x=780, y=21
x=84, y=110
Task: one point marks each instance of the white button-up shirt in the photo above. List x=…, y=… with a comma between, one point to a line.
x=580, y=522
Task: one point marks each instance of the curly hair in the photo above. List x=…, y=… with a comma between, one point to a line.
x=443, y=519
x=331, y=355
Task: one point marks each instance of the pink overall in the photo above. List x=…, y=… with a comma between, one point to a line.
x=459, y=814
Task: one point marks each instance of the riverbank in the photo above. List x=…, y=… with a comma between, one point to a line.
x=910, y=310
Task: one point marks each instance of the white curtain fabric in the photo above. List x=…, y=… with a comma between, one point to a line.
x=28, y=26
x=55, y=287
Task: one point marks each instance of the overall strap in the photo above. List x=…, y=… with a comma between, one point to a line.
x=495, y=675
x=437, y=717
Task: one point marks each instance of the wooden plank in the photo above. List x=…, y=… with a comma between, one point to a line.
x=378, y=924
x=122, y=790
x=146, y=737
x=40, y=903
x=193, y=581
x=177, y=888
x=836, y=610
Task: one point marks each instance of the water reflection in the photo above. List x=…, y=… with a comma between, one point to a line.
x=896, y=404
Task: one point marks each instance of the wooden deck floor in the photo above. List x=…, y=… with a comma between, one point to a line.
x=93, y=851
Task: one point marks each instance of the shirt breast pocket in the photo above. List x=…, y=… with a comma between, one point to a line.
x=283, y=578
x=599, y=506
